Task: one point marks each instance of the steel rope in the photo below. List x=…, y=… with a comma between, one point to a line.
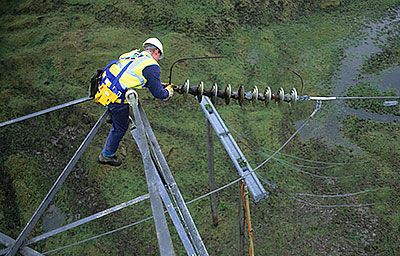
x=290, y=164
x=98, y=236
x=333, y=205
x=281, y=160
x=293, y=164
x=337, y=195
x=325, y=196
x=196, y=199
x=347, y=98
x=313, y=174
x=138, y=222
x=311, y=161
x=295, y=157
x=291, y=137
x=214, y=191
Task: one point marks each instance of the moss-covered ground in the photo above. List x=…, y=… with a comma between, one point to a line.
x=49, y=50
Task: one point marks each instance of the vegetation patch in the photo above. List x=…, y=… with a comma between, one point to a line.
x=49, y=50
x=366, y=89
x=381, y=141
x=388, y=57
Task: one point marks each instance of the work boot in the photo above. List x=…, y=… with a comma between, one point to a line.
x=110, y=160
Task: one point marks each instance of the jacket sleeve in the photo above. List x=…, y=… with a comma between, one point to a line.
x=152, y=74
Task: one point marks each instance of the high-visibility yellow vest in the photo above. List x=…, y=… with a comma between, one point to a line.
x=121, y=74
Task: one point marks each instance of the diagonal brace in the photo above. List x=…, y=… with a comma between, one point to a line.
x=8, y=241
x=163, y=236
x=56, y=186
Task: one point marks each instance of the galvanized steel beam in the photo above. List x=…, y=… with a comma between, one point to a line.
x=169, y=205
x=19, y=119
x=8, y=241
x=87, y=219
x=56, y=186
x=166, y=172
x=255, y=187
x=163, y=236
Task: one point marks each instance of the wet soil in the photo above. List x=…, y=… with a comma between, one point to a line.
x=327, y=127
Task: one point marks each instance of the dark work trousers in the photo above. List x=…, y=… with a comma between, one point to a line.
x=120, y=123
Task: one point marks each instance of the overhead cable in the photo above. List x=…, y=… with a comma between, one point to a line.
x=334, y=205
x=326, y=196
x=281, y=160
x=291, y=137
x=196, y=199
x=98, y=236
x=349, y=98
x=294, y=164
x=214, y=191
x=266, y=181
x=334, y=196
x=253, y=143
x=140, y=221
x=321, y=176
x=311, y=161
x=288, y=164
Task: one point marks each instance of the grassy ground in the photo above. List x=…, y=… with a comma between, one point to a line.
x=49, y=50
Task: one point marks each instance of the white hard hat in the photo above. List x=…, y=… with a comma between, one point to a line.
x=154, y=41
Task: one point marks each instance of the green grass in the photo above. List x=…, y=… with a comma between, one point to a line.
x=49, y=51
x=368, y=90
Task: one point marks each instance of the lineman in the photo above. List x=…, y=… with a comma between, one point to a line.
x=133, y=70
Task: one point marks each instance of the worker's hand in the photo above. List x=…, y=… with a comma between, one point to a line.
x=170, y=91
x=165, y=85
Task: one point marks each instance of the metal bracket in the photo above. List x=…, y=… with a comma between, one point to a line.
x=256, y=189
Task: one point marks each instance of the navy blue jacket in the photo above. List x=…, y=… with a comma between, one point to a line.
x=152, y=74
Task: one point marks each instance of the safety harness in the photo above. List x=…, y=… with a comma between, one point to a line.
x=111, y=90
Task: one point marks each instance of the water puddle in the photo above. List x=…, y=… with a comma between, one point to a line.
x=54, y=218
x=389, y=79
x=327, y=124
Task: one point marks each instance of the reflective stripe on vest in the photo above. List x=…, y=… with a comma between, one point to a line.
x=133, y=76
x=127, y=72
